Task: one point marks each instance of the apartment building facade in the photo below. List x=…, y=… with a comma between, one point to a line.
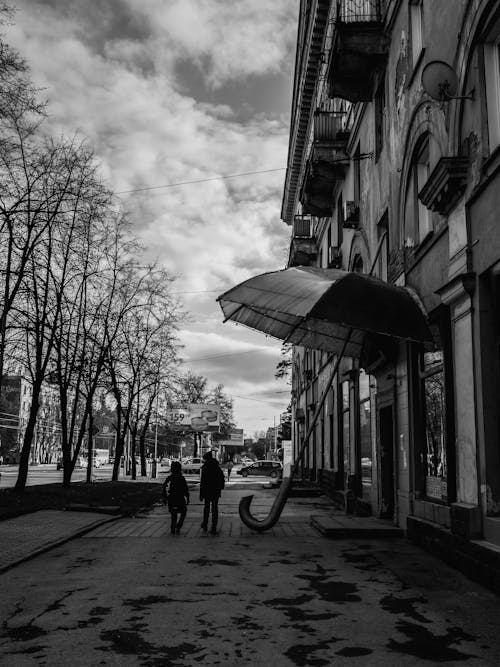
x=394, y=169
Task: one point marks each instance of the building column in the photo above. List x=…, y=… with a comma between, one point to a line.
x=465, y=512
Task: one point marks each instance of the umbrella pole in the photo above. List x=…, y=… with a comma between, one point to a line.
x=279, y=502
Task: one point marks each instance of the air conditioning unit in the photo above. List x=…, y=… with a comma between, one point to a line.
x=351, y=215
x=334, y=257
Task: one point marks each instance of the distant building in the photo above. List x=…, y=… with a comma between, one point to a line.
x=15, y=402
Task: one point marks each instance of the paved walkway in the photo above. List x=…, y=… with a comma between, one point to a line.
x=30, y=534
x=26, y=536
x=128, y=593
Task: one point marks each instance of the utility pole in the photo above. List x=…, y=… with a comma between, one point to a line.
x=275, y=435
x=156, y=426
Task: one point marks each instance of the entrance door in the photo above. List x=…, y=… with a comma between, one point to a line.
x=386, y=462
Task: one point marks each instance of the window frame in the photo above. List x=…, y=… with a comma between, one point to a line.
x=491, y=56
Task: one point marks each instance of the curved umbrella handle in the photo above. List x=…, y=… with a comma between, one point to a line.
x=279, y=502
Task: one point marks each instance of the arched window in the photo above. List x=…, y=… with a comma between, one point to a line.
x=417, y=222
x=357, y=264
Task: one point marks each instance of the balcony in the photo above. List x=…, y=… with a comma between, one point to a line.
x=359, y=49
x=303, y=251
x=326, y=164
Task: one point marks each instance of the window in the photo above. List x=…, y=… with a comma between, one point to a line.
x=357, y=264
x=357, y=175
x=418, y=221
x=416, y=30
x=492, y=77
x=379, y=107
x=340, y=220
x=383, y=260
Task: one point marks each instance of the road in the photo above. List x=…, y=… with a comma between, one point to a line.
x=48, y=474
x=130, y=593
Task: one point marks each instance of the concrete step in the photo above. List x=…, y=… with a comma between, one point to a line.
x=341, y=526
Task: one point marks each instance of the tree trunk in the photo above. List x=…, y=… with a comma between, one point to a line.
x=27, y=441
x=90, y=448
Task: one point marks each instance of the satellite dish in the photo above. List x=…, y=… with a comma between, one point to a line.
x=440, y=81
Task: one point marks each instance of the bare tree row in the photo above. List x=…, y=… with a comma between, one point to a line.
x=78, y=306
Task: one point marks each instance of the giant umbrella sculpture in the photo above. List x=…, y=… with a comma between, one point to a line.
x=324, y=309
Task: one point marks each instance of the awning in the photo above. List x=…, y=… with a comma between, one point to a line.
x=318, y=308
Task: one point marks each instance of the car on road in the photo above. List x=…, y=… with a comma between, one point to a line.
x=266, y=468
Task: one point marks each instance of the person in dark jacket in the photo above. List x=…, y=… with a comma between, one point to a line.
x=211, y=485
x=176, y=496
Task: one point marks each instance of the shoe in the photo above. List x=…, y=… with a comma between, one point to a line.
x=204, y=527
x=214, y=531
x=178, y=531
x=172, y=530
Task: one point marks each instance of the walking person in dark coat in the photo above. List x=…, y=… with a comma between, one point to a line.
x=211, y=485
x=176, y=496
x=229, y=468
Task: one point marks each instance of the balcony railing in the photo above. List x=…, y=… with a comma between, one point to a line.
x=302, y=226
x=327, y=126
x=359, y=49
x=303, y=249
x=354, y=11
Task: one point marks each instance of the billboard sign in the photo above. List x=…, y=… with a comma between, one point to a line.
x=195, y=417
x=233, y=439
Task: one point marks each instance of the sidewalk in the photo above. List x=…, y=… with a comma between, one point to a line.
x=28, y=535
x=129, y=593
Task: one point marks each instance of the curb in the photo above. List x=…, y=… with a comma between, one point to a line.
x=56, y=543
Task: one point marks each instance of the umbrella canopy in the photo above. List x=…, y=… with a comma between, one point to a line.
x=317, y=308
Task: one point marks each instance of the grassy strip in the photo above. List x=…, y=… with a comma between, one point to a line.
x=129, y=496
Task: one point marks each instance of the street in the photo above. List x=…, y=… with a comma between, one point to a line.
x=130, y=593
x=48, y=474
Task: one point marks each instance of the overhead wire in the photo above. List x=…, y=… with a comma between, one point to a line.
x=198, y=180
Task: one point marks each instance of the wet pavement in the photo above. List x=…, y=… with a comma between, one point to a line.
x=129, y=593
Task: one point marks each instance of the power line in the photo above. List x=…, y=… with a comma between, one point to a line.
x=199, y=180
x=216, y=356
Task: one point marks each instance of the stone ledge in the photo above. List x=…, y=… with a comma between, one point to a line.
x=338, y=527
x=474, y=558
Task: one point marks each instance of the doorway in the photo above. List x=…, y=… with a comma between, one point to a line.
x=386, y=425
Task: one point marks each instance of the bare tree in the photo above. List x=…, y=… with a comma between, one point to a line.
x=153, y=316
x=65, y=191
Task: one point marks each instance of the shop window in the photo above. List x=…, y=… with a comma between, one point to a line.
x=365, y=431
x=434, y=414
x=346, y=428
x=492, y=79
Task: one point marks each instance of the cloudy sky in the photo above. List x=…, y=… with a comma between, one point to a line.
x=170, y=91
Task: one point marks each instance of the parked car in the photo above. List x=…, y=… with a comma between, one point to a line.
x=192, y=466
x=266, y=468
